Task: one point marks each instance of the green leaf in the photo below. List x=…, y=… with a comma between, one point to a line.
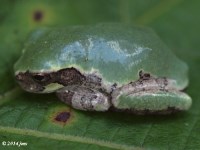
x=43, y=121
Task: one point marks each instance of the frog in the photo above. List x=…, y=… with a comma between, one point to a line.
x=102, y=67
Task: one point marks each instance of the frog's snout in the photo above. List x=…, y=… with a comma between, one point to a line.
x=28, y=84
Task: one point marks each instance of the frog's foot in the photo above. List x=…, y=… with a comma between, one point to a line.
x=84, y=98
x=150, y=95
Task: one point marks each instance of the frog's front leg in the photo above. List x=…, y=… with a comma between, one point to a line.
x=84, y=98
x=150, y=95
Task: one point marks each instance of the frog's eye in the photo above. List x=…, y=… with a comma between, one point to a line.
x=38, y=77
x=41, y=77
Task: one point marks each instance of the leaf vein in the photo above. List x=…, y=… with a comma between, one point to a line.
x=146, y=133
x=190, y=132
x=71, y=138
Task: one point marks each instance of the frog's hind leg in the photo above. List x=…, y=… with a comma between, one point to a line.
x=150, y=95
x=84, y=98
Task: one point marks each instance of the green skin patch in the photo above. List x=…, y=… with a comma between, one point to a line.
x=102, y=67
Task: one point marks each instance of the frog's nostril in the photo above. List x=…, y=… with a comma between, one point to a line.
x=19, y=77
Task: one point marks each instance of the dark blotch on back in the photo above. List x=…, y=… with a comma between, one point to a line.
x=144, y=76
x=38, y=15
x=63, y=117
x=69, y=76
x=66, y=77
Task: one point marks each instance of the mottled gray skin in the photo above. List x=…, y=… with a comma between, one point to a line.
x=93, y=97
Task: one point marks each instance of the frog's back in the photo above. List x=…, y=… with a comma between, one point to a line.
x=117, y=52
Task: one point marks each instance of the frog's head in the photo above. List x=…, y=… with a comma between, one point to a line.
x=37, y=82
x=48, y=82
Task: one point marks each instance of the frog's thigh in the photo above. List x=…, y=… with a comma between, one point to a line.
x=151, y=102
x=84, y=98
